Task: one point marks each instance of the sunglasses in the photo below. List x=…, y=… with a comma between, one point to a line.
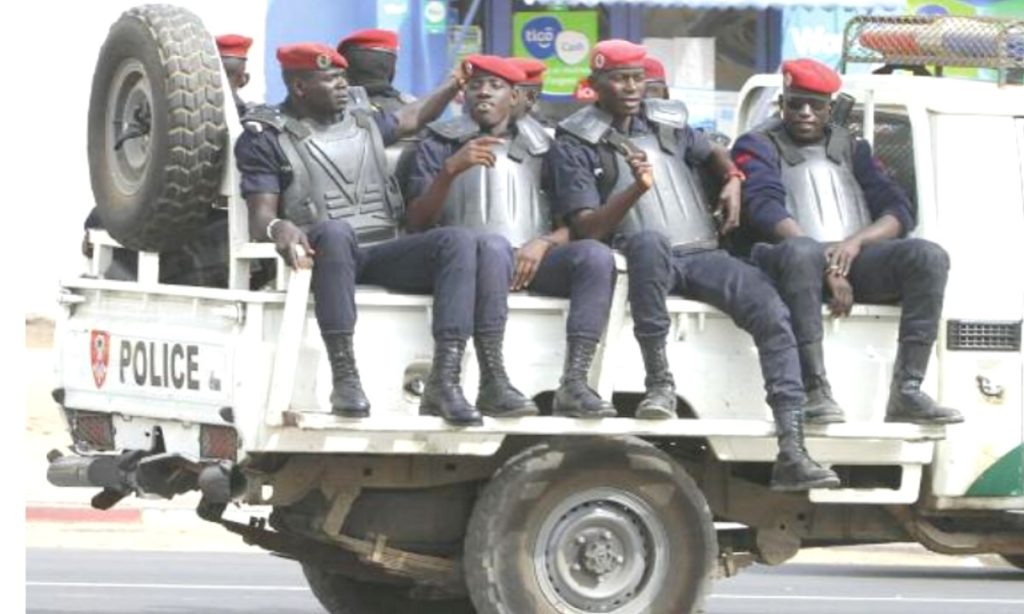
x=796, y=103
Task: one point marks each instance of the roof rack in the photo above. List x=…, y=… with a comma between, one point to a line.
x=914, y=42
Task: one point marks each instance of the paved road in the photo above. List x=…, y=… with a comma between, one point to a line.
x=103, y=582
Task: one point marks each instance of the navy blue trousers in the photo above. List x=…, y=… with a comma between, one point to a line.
x=584, y=272
x=738, y=289
x=444, y=262
x=912, y=272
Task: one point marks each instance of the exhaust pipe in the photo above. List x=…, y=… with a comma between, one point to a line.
x=164, y=474
x=86, y=471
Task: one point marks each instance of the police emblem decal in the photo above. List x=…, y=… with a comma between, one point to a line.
x=99, y=356
x=322, y=61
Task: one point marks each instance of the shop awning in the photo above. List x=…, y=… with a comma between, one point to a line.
x=738, y=4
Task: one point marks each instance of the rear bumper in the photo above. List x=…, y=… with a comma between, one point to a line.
x=142, y=472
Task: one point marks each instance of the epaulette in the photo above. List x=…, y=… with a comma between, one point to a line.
x=263, y=116
x=668, y=112
x=459, y=129
x=533, y=135
x=589, y=124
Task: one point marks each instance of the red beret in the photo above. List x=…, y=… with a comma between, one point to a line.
x=377, y=39
x=233, y=45
x=497, y=66
x=533, y=68
x=653, y=69
x=309, y=56
x=810, y=76
x=616, y=53
x=584, y=92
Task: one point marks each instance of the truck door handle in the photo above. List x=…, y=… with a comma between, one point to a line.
x=987, y=388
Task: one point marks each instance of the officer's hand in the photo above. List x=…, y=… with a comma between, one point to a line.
x=728, y=210
x=293, y=245
x=643, y=172
x=841, y=292
x=528, y=259
x=841, y=255
x=460, y=74
x=477, y=151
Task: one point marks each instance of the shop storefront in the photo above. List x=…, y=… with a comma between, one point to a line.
x=709, y=48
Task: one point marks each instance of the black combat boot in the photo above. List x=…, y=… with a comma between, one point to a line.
x=794, y=469
x=820, y=407
x=497, y=397
x=659, y=403
x=442, y=396
x=906, y=401
x=347, y=397
x=574, y=398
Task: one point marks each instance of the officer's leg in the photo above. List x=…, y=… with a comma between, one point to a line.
x=584, y=272
x=441, y=261
x=497, y=397
x=334, y=274
x=913, y=271
x=797, y=267
x=652, y=275
x=748, y=296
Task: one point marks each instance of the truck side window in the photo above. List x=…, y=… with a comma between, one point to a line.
x=893, y=145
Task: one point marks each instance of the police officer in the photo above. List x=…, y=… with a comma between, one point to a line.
x=482, y=171
x=824, y=215
x=530, y=89
x=603, y=180
x=314, y=176
x=372, y=55
x=234, y=53
x=655, y=84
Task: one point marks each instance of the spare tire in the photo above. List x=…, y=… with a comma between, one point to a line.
x=157, y=134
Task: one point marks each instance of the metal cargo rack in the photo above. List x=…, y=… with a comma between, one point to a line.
x=915, y=42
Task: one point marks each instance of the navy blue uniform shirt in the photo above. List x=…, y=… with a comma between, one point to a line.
x=572, y=167
x=265, y=168
x=431, y=152
x=764, y=196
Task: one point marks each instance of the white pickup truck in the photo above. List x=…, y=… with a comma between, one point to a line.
x=168, y=388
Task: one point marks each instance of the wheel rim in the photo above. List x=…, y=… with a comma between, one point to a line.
x=601, y=550
x=129, y=119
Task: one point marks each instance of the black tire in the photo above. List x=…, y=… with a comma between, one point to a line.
x=341, y=595
x=563, y=513
x=158, y=69
x=1017, y=560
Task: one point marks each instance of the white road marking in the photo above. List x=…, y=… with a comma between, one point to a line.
x=194, y=587
x=246, y=587
x=943, y=600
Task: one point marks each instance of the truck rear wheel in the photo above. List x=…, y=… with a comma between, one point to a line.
x=341, y=595
x=157, y=134
x=590, y=525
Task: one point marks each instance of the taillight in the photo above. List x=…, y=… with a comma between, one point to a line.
x=91, y=430
x=218, y=442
